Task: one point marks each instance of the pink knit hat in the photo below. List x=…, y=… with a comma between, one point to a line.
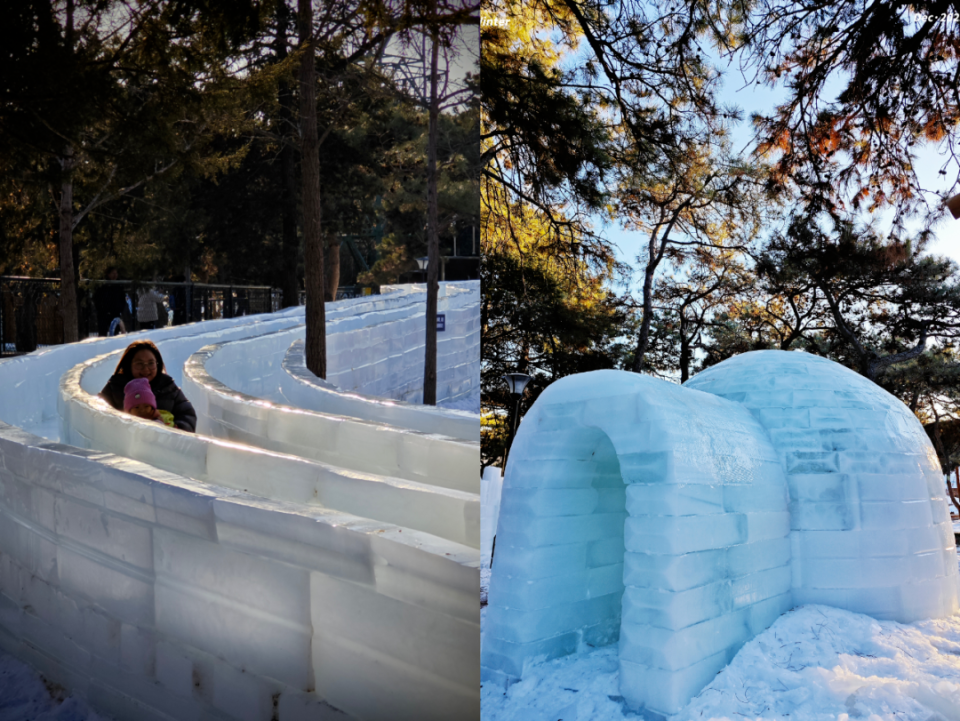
x=136, y=392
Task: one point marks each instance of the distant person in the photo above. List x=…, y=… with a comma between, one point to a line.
x=138, y=400
x=178, y=301
x=149, y=303
x=110, y=301
x=142, y=359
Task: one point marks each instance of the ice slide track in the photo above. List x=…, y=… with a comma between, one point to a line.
x=386, y=473
x=161, y=597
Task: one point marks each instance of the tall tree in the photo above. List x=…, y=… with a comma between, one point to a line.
x=887, y=300
x=546, y=143
x=868, y=84
x=403, y=206
x=316, y=334
x=433, y=237
x=687, y=304
x=441, y=21
x=109, y=95
x=290, y=244
x=696, y=200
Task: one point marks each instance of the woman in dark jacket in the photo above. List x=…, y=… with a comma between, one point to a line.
x=142, y=359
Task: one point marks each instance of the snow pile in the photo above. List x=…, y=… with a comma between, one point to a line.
x=814, y=663
x=24, y=696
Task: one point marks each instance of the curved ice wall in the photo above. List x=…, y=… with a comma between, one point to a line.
x=385, y=359
x=684, y=520
x=271, y=367
x=305, y=390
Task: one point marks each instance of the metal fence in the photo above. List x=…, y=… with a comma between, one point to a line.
x=30, y=315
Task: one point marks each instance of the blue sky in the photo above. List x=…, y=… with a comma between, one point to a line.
x=760, y=99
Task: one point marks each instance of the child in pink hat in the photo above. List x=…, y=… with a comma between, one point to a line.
x=138, y=400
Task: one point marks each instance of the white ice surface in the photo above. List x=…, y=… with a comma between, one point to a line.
x=30, y=383
x=815, y=663
x=457, y=413
x=28, y=391
x=356, y=484
x=491, y=485
x=378, y=376
x=228, y=383
x=470, y=404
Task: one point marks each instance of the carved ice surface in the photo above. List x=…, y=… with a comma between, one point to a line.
x=682, y=521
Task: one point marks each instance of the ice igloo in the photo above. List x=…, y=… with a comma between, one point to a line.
x=684, y=520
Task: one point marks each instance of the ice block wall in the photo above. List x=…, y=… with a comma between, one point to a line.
x=29, y=384
x=303, y=389
x=159, y=598
x=450, y=513
x=272, y=369
x=386, y=359
x=490, y=486
x=871, y=526
x=635, y=509
x=338, y=440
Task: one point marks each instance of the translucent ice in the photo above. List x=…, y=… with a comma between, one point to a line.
x=768, y=480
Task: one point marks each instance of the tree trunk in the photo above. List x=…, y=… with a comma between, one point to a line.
x=684, y=349
x=643, y=341
x=82, y=330
x=290, y=243
x=433, y=240
x=68, y=285
x=332, y=263
x=955, y=497
x=937, y=441
x=316, y=342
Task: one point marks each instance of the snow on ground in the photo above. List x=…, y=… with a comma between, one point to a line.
x=25, y=697
x=813, y=664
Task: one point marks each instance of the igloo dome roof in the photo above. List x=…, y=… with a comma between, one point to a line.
x=870, y=527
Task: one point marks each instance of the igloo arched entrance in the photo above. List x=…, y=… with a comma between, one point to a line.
x=685, y=488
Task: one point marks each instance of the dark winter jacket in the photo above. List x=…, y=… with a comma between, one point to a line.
x=169, y=398
x=111, y=302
